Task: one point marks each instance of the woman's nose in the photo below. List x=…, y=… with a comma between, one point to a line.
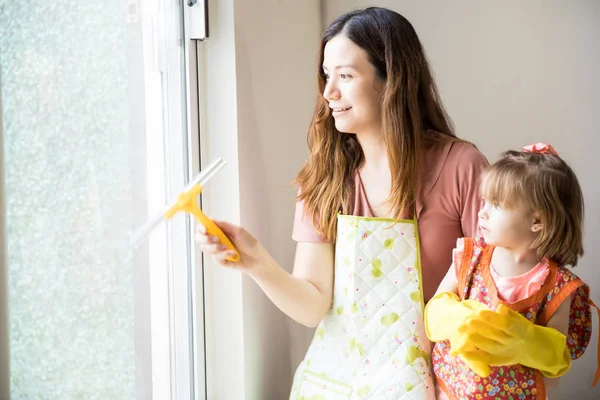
x=331, y=92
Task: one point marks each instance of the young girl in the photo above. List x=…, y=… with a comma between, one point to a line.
x=509, y=317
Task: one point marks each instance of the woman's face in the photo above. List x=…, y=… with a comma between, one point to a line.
x=352, y=87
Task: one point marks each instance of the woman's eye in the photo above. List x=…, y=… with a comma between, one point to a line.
x=344, y=76
x=326, y=77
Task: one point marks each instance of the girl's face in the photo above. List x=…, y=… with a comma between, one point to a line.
x=352, y=87
x=514, y=227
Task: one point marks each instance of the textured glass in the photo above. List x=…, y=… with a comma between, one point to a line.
x=67, y=145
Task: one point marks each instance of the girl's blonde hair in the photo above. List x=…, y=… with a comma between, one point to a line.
x=546, y=184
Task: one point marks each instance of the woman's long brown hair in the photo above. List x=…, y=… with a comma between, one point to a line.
x=411, y=111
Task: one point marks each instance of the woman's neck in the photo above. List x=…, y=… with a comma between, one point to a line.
x=375, y=152
x=375, y=174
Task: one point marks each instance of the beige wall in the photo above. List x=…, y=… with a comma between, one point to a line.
x=276, y=44
x=259, y=93
x=514, y=72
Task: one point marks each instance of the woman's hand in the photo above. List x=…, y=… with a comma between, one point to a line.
x=250, y=250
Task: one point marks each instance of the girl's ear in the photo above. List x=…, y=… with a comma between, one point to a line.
x=536, y=224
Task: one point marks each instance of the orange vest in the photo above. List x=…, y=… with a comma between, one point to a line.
x=514, y=381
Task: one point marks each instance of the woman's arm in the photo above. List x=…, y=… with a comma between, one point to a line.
x=469, y=171
x=305, y=295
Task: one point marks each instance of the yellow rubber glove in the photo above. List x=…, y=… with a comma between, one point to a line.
x=505, y=337
x=445, y=319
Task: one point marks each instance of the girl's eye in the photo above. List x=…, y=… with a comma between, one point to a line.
x=344, y=76
x=494, y=204
x=326, y=77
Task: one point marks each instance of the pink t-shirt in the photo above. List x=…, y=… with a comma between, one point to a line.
x=446, y=210
x=511, y=289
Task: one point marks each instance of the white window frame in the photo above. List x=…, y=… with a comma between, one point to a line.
x=180, y=372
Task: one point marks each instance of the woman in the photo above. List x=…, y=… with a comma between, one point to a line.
x=383, y=155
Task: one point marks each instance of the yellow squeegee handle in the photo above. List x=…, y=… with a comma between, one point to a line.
x=186, y=201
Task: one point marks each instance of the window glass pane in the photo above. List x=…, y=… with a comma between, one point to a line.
x=72, y=166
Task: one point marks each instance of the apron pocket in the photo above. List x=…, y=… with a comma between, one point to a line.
x=317, y=387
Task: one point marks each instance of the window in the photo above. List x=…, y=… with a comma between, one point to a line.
x=97, y=137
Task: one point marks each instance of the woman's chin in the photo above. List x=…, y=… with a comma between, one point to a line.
x=343, y=126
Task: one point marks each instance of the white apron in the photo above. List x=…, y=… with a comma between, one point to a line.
x=372, y=343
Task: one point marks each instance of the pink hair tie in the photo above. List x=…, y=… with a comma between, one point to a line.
x=540, y=148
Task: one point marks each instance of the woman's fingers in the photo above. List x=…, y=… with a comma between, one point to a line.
x=222, y=257
x=231, y=231
x=206, y=240
x=213, y=248
x=227, y=228
x=244, y=243
x=211, y=245
x=202, y=238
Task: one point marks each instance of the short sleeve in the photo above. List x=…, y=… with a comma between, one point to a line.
x=469, y=172
x=304, y=231
x=457, y=254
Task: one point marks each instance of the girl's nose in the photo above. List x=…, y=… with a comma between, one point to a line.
x=482, y=213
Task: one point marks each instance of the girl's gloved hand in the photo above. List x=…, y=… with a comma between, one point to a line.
x=445, y=319
x=505, y=337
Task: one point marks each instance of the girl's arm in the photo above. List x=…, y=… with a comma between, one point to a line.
x=449, y=283
x=560, y=322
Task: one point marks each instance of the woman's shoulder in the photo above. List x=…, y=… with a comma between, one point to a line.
x=452, y=156
x=466, y=153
